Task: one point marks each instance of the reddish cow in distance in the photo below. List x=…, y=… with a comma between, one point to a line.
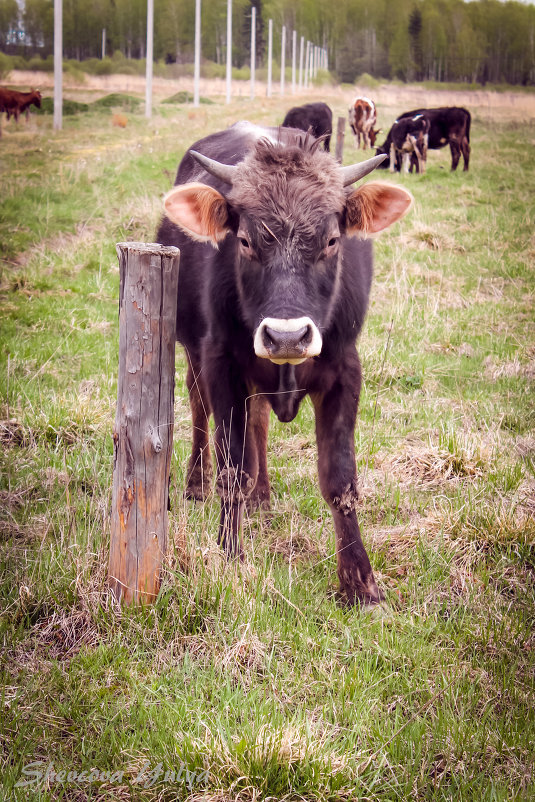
x=315, y=118
x=362, y=118
x=275, y=275
x=14, y=103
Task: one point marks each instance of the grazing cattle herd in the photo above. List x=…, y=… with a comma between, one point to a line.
x=275, y=275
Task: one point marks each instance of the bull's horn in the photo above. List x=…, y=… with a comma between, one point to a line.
x=223, y=171
x=357, y=171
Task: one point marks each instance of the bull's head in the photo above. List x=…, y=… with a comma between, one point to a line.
x=373, y=134
x=287, y=212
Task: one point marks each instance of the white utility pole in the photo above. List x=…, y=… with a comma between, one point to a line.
x=58, y=64
x=283, y=58
x=148, y=66
x=301, y=53
x=104, y=43
x=294, y=57
x=253, y=49
x=197, y=67
x=229, y=50
x=270, y=57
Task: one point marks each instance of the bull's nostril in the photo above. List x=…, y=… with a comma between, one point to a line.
x=285, y=341
x=268, y=337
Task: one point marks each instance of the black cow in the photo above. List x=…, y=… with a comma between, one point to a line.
x=317, y=118
x=274, y=282
x=448, y=125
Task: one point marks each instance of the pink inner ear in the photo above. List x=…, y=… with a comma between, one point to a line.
x=199, y=210
x=381, y=205
x=182, y=207
x=389, y=204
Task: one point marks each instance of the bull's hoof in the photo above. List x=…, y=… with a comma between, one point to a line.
x=357, y=597
x=197, y=491
x=258, y=501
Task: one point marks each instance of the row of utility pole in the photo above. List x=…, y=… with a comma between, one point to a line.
x=311, y=58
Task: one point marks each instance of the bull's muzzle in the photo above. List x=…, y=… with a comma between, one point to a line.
x=287, y=340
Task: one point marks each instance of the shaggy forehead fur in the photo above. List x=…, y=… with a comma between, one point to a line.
x=290, y=188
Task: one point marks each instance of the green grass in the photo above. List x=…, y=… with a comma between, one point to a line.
x=253, y=683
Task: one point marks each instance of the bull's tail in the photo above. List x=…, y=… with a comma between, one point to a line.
x=468, y=123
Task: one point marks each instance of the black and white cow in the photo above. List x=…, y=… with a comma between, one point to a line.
x=275, y=274
x=448, y=125
x=408, y=144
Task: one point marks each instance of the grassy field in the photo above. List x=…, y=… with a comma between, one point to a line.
x=253, y=683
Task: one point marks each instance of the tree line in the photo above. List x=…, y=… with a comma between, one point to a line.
x=442, y=40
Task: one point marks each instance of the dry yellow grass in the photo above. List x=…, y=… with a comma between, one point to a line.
x=499, y=106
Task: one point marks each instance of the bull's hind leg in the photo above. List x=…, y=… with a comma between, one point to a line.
x=199, y=474
x=455, y=149
x=335, y=423
x=465, y=147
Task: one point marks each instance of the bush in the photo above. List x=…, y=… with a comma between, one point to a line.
x=324, y=78
x=367, y=80
x=6, y=65
x=117, y=99
x=98, y=66
x=72, y=68
x=41, y=64
x=186, y=97
x=70, y=107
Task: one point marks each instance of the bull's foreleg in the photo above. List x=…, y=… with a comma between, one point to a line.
x=258, y=422
x=236, y=453
x=199, y=473
x=335, y=424
x=416, y=155
x=392, y=158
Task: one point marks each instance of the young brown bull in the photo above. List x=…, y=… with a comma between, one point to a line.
x=275, y=275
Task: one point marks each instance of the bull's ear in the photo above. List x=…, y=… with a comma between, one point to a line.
x=201, y=211
x=375, y=206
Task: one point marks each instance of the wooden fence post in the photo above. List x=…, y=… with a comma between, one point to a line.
x=143, y=435
x=340, y=133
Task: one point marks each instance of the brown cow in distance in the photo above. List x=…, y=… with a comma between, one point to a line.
x=275, y=276
x=14, y=102
x=362, y=118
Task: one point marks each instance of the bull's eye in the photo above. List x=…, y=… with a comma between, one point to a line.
x=244, y=243
x=332, y=242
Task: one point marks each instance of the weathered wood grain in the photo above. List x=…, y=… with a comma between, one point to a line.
x=143, y=435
